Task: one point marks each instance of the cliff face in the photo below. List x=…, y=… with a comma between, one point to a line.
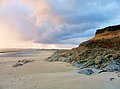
x=108, y=37
x=101, y=52
x=108, y=29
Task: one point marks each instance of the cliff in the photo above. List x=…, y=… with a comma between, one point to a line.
x=100, y=52
x=108, y=37
x=108, y=29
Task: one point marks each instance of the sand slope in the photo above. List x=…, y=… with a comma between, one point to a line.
x=50, y=75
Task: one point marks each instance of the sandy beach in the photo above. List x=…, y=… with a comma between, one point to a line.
x=40, y=74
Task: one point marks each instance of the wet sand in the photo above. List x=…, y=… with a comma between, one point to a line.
x=40, y=74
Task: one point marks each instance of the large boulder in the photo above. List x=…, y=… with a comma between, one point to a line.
x=114, y=66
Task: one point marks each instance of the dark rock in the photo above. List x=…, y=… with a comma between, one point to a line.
x=18, y=64
x=86, y=71
x=113, y=66
x=112, y=79
x=118, y=75
x=102, y=71
x=77, y=64
x=22, y=62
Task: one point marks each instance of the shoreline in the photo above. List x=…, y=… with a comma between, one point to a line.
x=41, y=74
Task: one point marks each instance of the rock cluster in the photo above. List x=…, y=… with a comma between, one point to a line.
x=22, y=62
x=60, y=55
x=98, y=58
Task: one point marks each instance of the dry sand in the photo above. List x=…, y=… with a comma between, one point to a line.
x=49, y=75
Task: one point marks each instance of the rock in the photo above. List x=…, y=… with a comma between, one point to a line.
x=112, y=79
x=86, y=71
x=118, y=74
x=18, y=64
x=60, y=55
x=89, y=63
x=101, y=71
x=98, y=60
x=63, y=59
x=115, y=56
x=26, y=60
x=54, y=58
x=77, y=64
x=113, y=66
x=108, y=56
x=67, y=54
x=35, y=86
x=83, y=61
x=22, y=62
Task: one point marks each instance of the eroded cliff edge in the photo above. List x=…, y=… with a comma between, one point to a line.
x=100, y=52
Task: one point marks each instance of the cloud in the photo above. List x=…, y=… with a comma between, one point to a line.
x=55, y=23
x=80, y=20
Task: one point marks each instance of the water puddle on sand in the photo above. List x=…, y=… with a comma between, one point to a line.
x=20, y=54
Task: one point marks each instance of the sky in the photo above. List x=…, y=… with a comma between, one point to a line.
x=54, y=23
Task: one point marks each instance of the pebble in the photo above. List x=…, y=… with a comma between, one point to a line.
x=35, y=86
x=112, y=79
